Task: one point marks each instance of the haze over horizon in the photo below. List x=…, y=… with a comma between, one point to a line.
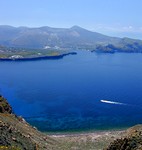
x=113, y=18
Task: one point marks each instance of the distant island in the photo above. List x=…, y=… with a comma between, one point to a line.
x=24, y=43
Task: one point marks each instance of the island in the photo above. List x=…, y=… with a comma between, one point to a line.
x=48, y=42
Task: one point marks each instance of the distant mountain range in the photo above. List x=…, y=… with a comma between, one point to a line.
x=65, y=38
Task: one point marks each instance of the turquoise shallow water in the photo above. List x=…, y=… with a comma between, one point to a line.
x=65, y=94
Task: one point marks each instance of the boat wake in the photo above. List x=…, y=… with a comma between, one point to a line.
x=112, y=102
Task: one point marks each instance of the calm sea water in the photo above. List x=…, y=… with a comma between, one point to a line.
x=65, y=94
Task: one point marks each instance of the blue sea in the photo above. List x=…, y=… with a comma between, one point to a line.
x=66, y=94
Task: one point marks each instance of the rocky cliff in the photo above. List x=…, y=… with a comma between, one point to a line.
x=4, y=106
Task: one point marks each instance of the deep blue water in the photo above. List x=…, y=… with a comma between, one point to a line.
x=65, y=94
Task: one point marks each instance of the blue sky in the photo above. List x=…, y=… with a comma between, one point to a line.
x=111, y=17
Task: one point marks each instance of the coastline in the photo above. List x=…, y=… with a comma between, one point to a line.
x=85, y=133
x=112, y=133
x=96, y=140
x=38, y=57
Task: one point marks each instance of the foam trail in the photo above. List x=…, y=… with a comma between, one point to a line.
x=112, y=102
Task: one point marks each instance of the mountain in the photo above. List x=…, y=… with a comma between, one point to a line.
x=69, y=38
x=47, y=36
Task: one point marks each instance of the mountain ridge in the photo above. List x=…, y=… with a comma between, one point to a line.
x=75, y=37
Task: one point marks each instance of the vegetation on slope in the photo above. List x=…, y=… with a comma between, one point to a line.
x=132, y=140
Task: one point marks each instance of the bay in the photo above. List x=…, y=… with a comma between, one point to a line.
x=65, y=94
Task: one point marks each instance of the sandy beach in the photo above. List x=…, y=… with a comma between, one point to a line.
x=97, y=140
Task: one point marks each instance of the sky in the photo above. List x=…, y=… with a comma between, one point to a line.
x=120, y=18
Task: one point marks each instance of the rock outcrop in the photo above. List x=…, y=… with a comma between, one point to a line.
x=132, y=140
x=4, y=106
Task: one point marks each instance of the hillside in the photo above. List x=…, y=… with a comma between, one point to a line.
x=64, y=38
x=50, y=37
x=124, y=45
x=131, y=140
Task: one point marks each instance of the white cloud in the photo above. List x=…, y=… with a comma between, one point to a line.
x=117, y=28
